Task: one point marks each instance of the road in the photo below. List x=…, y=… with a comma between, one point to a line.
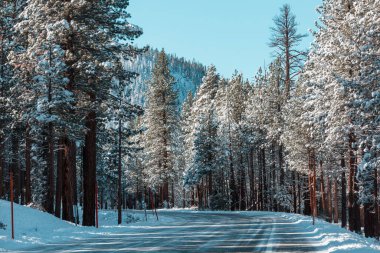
x=200, y=232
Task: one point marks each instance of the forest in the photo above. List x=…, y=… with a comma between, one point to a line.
x=302, y=137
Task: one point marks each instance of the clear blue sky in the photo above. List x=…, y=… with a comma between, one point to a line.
x=229, y=34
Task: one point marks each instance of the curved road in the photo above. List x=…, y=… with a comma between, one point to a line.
x=200, y=232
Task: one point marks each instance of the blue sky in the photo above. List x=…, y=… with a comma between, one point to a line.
x=229, y=34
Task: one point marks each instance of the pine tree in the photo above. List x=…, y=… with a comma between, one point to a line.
x=286, y=39
x=161, y=123
x=204, y=139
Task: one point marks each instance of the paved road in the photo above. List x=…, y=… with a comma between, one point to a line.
x=200, y=232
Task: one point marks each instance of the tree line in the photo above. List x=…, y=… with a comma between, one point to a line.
x=302, y=137
x=62, y=101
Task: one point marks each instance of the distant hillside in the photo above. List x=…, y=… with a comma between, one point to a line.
x=188, y=75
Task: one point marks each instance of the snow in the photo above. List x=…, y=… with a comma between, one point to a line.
x=332, y=237
x=34, y=227
x=181, y=229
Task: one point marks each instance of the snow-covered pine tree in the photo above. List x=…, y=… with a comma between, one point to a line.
x=41, y=64
x=8, y=18
x=161, y=122
x=363, y=23
x=91, y=70
x=120, y=113
x=204, y=139
x=186, y=144
x=237, y=97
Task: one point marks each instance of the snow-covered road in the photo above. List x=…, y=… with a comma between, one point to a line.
x=197, y=231
x=178, y=231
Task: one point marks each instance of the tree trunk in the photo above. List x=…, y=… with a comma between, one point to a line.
x=287, y=64
x=344, y=201
x=210, y=189
x=329, y=200
x=274, y=182
x=307, y=196
x=315, y=213
x=89, y=169
x=313, y=184
x=2, y=168
x=232, y=186
x=67, y=177
x=28, y=194
x=252, y=181
x=119, y=197
x=242, y=179
x=50, y=167
x=265, y=186
x=353, y=206
x=172, y=195
x=260, y=190
x=299, y=192
x=192, y=201
x=60, y=165
x=369, y=221
x=336, y=211
x=183, y=198
x=376, y=205
x=14, y=165
x=294, y=191
x=165, y=195
x=74, y=178
x=323, y=193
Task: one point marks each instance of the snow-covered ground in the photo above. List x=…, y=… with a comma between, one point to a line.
x=179, y=230
x=34, y=228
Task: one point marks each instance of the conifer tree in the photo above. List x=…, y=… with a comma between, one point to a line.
x=285, y=39
x=161, y=122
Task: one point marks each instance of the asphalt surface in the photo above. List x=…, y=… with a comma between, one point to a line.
x=200, y=232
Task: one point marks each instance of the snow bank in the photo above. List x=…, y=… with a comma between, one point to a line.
x=333, y=238
x=34, y=227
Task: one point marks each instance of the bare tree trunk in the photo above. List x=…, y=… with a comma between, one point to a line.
x=265, y=186
x=60, y=165
x=2, y=167
x=315, y=214
x=336, y=211
x=67, y=177
x=299, y=192
x=28, y=194
x=89, y=169
x=74, y=179
x=192, y=201
x=252, y=181
x=294, y=191
x=344, y=201
x=166, y=192
x=274, y=182
x=15, y=165
x=369, y=221
x=376, y=204
x=353, y=206
x=323, y=193
x=260, y=190
x=329, y=201
x=312, y=184
x=172, y=194
x=232, y=186
x=119, y=197
x=210, y=188
x=184, y=198
x=242, y=205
